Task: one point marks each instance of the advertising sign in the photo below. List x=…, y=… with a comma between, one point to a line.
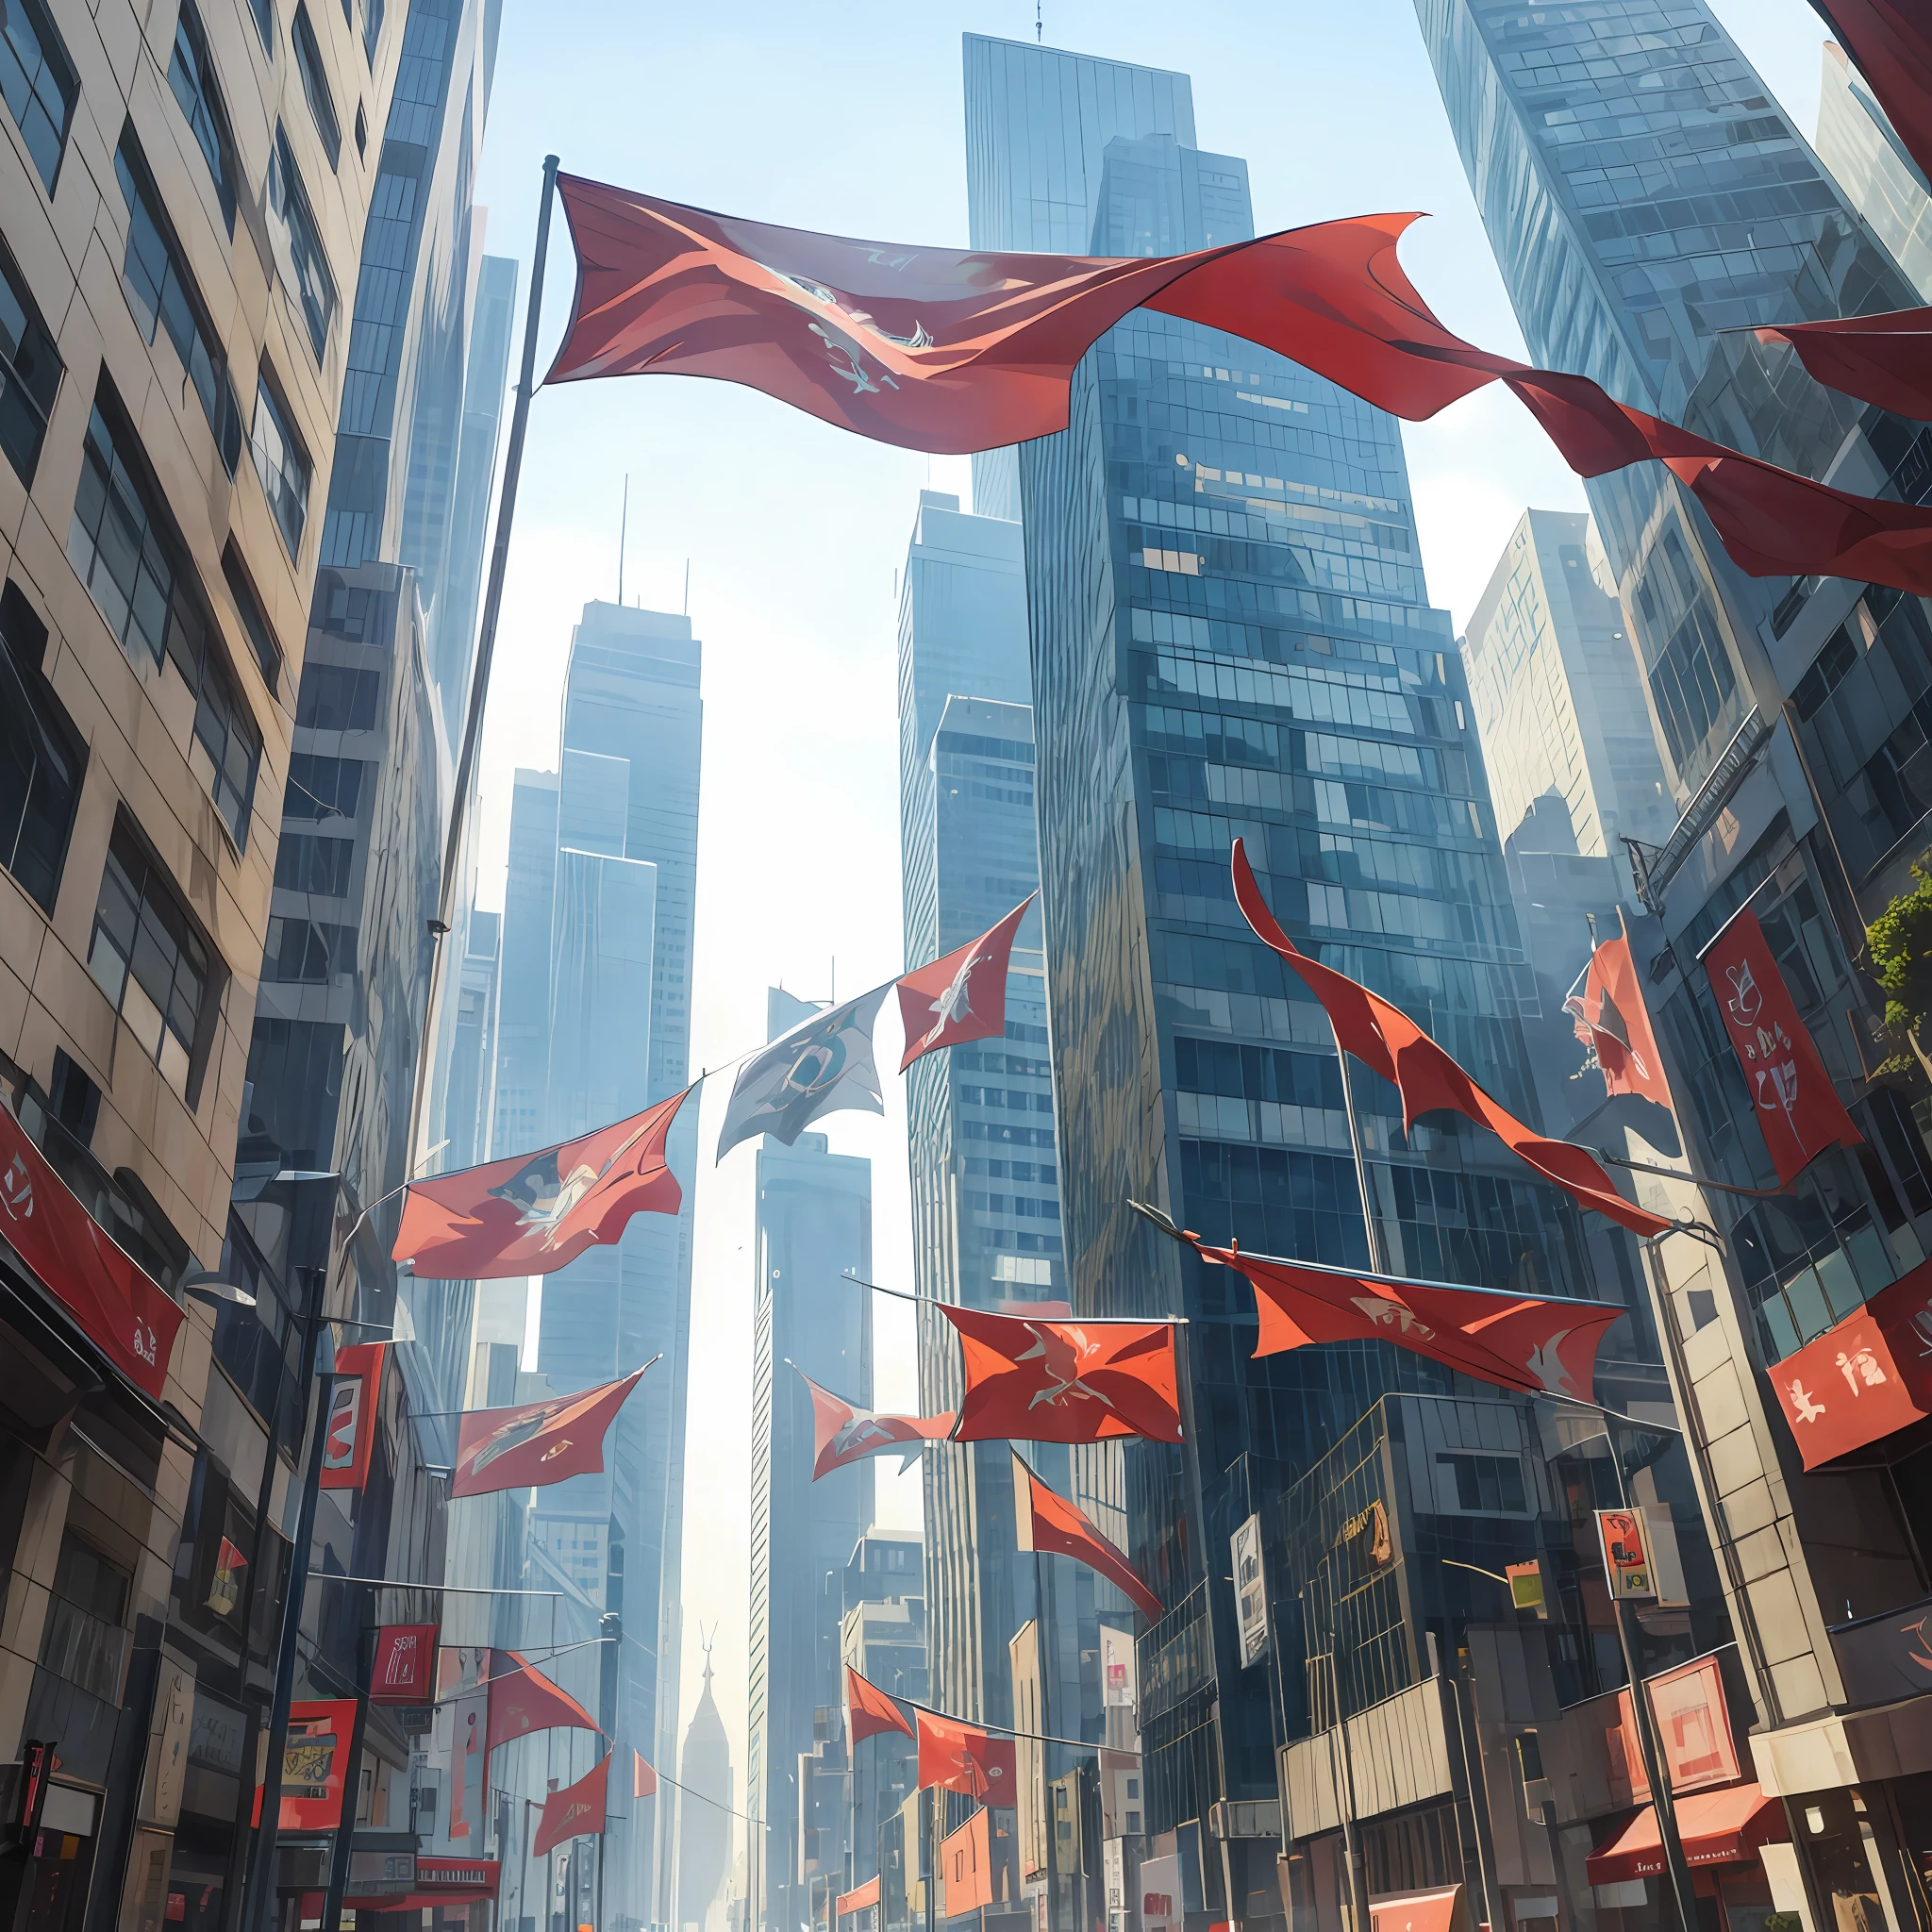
x=405, y=1669
x=315, y=1763
x=1693, y=1726
x=1627, y=1555
x=350, y=1428
x=1250, y=1591
x=1119, y=1668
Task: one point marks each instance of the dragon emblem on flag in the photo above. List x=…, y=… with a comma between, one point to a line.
x=1061, y=1352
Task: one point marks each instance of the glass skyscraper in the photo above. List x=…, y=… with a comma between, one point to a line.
x=813, y=1223
x=1231, y=635
x=1861, y=149
x=603, y=864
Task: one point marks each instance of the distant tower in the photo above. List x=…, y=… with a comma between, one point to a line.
x=703, y=1828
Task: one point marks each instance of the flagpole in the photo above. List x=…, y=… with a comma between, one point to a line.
x=1377, y=1258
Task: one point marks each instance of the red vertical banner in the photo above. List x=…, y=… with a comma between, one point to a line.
x=315, y=1763
x=1796, y=1105
x=404, y=1671
x=351, y=1426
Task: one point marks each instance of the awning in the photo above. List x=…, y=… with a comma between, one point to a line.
x=1716, y=1828
x=867, y=1894
x=1437, y=1910
x=415, y=1901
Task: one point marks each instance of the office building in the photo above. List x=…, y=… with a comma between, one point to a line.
x=813, y=1225
x=1231, y=635
x=603, y=864
x=883, y=1637
x=1641, y=232
x=1862, y=153
x=705, y=1811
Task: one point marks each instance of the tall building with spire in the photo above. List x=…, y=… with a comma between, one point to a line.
x=704, y=1816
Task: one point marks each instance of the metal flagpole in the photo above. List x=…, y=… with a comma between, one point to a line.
x=1377, y=1260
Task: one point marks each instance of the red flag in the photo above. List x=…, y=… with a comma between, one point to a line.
x=1383, y=1037
x=1612, y=1017
x=405, y=1669
x=525, y=1699
x=1891, y=42
x=576, y=1811
x=1796, y=1105
x=643, y=1779
x=351, y=1426
x=535, y=1213
x=225, y=1582
x=871, y=1710
x=1885, y=360
x=962, y=996
x=127, y=1316
x=962, y=1757
x=1032, y=1380
x=537, y=1443
x=1541, y=1344
x=843, y=1433
x=1056, y=1527
x=956, y=350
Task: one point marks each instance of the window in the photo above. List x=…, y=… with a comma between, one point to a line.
x=38, y=82
x=315, y=82
x=77, y=1677
x=321, y=788
x=159, y=290
x=305, y=863
x=334, y=697
x=282, y=464
x=299, y=250
x=307, y=951
x=227, y=747
x=29, y=373
x=148, y=958
x=261, y=637
x=41, y=757
x=1487, y=1485
x=191, y=74
x=1827, y=672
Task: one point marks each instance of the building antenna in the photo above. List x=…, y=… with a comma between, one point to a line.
x=687, y=587
x=623, y=532
x=1038, y=24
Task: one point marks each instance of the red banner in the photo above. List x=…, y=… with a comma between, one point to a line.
x=523, y=1700
x=576, y=1811
x=643, y=1778
x=1032, y=1380
x=315, y=1763
x=962, y=1757
x=843, y=1433
x=535, y=1213
x=956, y=349
x=1051, y=1524
x=1383, y=1037
x=536, y=1444
x=350, y=1431
x=405, y=1669
x=127, y=1316
x=962, y=996
x=871, y=1710
x=1796, y=1105
x=1611, y=1018
x=1866, y=1377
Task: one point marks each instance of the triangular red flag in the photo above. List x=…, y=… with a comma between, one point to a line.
x=1383, y=1037
x=535, y=1213
x=871, y=1710
x=1033, y=1380
x=643, y=1779
x=537, y=1443
x=525, y=1699
x=576, y=1811
x=1051, y=1524
x=962, y=1757
x=962, y=996
x=844, y=1433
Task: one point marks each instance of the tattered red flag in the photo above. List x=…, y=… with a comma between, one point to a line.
x=1537, y=1344
x=1891, y=42
x=871, y=1710
x=962, y=996
x=1056, y=1527
x=525, y=1699
x=1794, y=1100
x=535, y=1213
x=959, y=350
x=843, y=1433
x=576, y=1811
x=1611, y=1018
x=1885, y=359
x=1029, y=1379
x=537, y=1443
x=1383, y=1037
x=962, y=1757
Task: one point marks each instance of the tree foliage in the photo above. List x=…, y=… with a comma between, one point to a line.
x=1900, y=947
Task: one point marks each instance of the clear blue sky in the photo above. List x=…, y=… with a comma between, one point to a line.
x=849, y=119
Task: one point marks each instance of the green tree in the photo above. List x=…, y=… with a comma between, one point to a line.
x=1901, y=947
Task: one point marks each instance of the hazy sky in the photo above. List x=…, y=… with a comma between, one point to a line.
x=850, y=120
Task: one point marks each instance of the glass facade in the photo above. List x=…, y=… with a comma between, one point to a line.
x=1862, y=151
x=1248, y=650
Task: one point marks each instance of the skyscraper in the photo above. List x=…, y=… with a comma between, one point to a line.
x=704, y=1814
x=1864, y=155
x=1648, y=202
x=1231, y=635
x=602, y=867
x=814, y=1222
